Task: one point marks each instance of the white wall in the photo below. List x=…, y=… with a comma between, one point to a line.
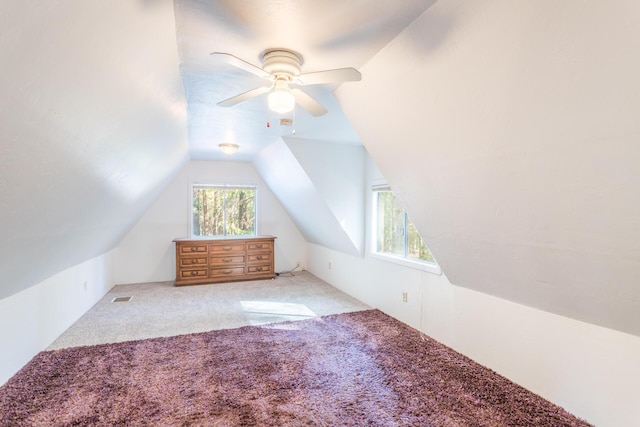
x=589, y=370
x=147, y=254
x=32, y=319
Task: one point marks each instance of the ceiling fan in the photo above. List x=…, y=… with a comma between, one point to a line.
x=282, y=68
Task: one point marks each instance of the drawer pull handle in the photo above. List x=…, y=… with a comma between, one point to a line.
x=193, y=261
x=228, y=271
x=258, y=246
x=193, y=249
x=226, y=248
x=194, y=273
x=259, y=258
x=259, y=269
x=227, y=260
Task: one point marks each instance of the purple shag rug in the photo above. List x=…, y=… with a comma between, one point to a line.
x=361, y=368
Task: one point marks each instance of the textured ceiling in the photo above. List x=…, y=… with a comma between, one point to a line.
x=328, y=34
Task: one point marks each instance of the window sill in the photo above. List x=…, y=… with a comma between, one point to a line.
x=423, y=266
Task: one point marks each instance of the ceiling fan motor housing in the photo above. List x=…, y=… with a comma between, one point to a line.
x=282, y=63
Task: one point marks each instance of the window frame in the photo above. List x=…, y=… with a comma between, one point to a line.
x=423, y=265
x=254, y=187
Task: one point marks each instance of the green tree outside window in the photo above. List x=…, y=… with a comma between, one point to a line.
x=223, y=210
x=395, y=233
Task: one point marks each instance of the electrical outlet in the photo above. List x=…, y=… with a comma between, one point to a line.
x=405, y=296
x=85, y=285
x=329, y=265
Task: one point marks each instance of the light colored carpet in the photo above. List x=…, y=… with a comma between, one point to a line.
x=161, y=309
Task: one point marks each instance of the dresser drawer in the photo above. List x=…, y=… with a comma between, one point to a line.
x=260, y=269
x=260, y=257
x=225, y=248
x=192, y=248
x=186, y=274
x=260, y=246
x=193, y=261
x=227, y=271
x=226, y=260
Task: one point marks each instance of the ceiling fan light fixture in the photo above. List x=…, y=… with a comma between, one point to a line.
x=282, y=67
x=228, y=149
x=281, y=101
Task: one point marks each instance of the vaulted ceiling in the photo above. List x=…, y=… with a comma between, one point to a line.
x=508, y=129
x=328, y=35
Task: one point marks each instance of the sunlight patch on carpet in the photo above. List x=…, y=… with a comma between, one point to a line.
x=277, y=308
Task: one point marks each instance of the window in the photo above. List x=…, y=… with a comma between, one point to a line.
x=223, y=210
x=394, y=233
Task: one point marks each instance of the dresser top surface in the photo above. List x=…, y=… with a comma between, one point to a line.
x=219, y=238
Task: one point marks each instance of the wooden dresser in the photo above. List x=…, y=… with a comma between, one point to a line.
x=224, y=259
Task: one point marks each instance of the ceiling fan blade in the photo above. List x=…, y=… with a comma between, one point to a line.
x=244, y=96
x=312, y=106
x=338, y=75
x=243, y=65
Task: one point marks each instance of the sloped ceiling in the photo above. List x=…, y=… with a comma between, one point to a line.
x=323, y=196
x=338, y=173
x=510, y=132
x=93, y=126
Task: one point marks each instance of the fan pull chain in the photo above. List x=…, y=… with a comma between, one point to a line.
x=293, y=121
